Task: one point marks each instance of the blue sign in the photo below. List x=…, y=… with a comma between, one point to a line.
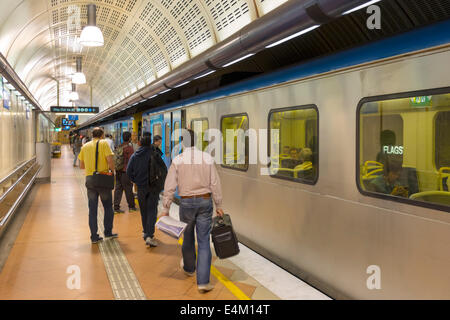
x=73, y=117
x=70, y=123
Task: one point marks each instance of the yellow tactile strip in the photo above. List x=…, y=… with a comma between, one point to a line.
x=157, y=271
x=123, y=281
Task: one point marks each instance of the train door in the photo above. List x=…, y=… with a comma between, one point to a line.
x=176, y=125
x=166, y=138
x=156, y=126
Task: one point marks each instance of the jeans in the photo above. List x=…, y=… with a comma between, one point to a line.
x=148, y=205
x=197, y=212
x=123, y=183
x=106, y=198
x=76, y=153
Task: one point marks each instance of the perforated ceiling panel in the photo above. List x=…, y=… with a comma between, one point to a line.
x=144, y=39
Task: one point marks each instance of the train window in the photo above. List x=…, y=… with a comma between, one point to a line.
x=294, y=144
x=442, y=133
x=167, y=142
x=157, y=130
x=235, y=141
x=200, y=126
x=404, y=153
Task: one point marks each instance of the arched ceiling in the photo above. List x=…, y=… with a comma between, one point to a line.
x=144, y=39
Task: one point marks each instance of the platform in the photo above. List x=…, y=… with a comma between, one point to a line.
x=54, y=241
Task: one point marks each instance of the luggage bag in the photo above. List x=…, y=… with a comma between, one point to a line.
x=223, y=237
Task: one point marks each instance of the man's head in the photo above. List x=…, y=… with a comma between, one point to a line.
x=157, y=141
x=190, y=138
x=97, y=133
x=293, y=153
x=305, y=155
x=393, y=169
x=286, y=149
x=126, y=136
x=145, y=141
x=134, y=137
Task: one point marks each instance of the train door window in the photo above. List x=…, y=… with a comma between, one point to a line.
x=157, y=130
x=235, y=141
x=404, y=153
x=294, y=143
x=167, y=142
x=200, y=126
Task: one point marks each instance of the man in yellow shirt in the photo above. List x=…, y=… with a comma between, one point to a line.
x=105, y=163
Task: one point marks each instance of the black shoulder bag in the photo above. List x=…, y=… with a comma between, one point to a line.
x=100, y=180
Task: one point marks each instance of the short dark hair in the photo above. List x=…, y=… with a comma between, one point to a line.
x=126, y=136
x=146, y=141
x=190, y=141
x=97, y=132
x=157, y=138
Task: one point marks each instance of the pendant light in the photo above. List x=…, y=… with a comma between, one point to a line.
x=91, y=36
x=74, y=94
x=79, y=77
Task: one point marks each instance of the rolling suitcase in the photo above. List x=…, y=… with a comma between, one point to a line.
x=223, y=237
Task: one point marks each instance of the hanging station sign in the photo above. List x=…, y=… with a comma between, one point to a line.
x=84, y=110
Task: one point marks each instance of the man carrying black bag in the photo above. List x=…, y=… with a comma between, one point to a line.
x=96, y=158
x=194, y=173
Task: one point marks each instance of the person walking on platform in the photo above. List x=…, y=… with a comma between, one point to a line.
x=195, y=174
x=122, y=156
x=109, y=139
x=96, y=156
x=76, y=144
x=141, y=171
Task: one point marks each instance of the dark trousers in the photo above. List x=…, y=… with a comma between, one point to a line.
x=148, y=205
x=123, y=183
x=106, y=198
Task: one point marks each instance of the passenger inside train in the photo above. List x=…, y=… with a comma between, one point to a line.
x=389, y=182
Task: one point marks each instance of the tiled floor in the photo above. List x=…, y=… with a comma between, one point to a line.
x=55, y=236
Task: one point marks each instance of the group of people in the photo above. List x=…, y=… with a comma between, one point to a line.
x=296, y=157
x=198, y=186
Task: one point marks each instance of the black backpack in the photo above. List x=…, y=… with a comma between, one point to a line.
x=157, y=171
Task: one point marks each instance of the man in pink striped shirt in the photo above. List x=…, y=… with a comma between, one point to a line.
x=195, y=174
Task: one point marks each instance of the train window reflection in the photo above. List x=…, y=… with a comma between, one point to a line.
x=404, y=151
x=235, y=141
x=294, y=144
x=167, y=141
x=157, y=130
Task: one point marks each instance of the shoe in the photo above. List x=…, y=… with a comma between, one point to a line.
x=189, y=274
x=151, y=242
x=96, y=240
x=132, y=209
x=203, y=288
x=112, y=236
x=119, y=211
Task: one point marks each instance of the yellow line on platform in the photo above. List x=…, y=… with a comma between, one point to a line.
x=225, y=281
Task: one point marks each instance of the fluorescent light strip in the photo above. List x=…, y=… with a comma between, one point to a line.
x=237, y=60
x=204, y=75
x=361, y=6
x=152, y=96
x=182, y=84
x=293, y=36
x=165, y=91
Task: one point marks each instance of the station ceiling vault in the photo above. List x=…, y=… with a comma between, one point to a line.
x=144, y=40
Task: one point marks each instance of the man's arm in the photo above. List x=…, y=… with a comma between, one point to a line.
x=170, y=187
x=82, y=164
x=110, y=160
x=216, y=190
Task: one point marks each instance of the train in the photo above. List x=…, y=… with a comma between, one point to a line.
x=335, y=209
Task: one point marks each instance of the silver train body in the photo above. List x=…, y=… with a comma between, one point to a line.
x=329, y=234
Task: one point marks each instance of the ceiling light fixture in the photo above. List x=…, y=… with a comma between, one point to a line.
x=79, y=77
x=73, y=96
x=204, y=75
x=91, y=36
x=293, y=36
x=237, y=60
x=361, y=6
